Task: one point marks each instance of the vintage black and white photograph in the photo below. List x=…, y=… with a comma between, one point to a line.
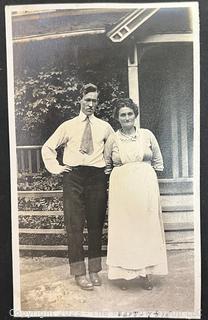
x=104, y=145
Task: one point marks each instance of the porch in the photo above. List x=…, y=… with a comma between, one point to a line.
x=152, y=50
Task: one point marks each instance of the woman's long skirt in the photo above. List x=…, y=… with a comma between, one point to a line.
x=136, y=243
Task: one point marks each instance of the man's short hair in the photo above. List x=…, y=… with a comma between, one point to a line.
x=88, y=88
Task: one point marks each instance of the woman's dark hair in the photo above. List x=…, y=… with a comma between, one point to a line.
x=125, y=102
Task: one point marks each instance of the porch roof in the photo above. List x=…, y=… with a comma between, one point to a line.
x=37, y=24
x=117, y=24
x=152, y=21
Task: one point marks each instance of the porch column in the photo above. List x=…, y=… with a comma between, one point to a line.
x=133, y=77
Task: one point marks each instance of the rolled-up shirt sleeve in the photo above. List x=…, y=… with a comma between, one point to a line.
x=157, y=159
x=48, y=150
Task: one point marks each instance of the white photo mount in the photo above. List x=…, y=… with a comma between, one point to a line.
x=148, y=32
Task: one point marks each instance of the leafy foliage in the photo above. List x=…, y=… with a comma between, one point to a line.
x=42, y=222
x=40, y=204
x=47, y=97
x=42, y=181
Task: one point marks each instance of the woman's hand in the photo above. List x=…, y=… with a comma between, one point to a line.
x=107, y=171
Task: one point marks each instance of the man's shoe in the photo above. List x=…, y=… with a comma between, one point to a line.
x=95, y=279
x=83, y=282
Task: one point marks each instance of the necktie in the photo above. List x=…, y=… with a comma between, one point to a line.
x=86, y=142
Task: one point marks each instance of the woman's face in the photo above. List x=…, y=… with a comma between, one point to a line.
x=126, y=117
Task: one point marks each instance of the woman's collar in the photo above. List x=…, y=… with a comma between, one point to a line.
x=133, y=137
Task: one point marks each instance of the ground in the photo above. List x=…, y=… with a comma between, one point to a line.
x=46, y=284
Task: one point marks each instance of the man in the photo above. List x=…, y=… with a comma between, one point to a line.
x=84, y=184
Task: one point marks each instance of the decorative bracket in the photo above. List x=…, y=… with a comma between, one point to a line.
x=130, y=23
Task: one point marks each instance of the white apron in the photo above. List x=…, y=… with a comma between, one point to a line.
x=136, y=243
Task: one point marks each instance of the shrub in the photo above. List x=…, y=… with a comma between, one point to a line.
x=51, y=95
x=42, y=181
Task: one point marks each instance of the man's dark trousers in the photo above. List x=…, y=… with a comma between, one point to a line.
x=85, y=199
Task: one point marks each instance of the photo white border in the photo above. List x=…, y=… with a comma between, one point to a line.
x=13, y=162
x=196, y=161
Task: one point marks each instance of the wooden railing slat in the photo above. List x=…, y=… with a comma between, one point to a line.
x=40, y=213
x=38, y=159
x=29, y=147
x=42, y=231
x=38, y=194
x=22, y=160
x=29, y=154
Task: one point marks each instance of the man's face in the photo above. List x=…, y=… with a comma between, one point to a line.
x=89, y=103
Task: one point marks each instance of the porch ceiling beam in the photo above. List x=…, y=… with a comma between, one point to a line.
x=130, y=24
x=38, y=37
x=158, y=38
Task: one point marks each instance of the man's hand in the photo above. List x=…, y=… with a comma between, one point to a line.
x=65, y=168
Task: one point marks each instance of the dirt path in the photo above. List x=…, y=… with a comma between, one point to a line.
x=47, y=285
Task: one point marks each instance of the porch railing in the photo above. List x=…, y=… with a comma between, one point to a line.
x=29, y=159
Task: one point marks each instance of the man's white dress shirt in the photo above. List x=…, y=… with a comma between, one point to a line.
x=69, y=134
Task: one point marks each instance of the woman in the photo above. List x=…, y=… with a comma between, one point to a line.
x=136, y=243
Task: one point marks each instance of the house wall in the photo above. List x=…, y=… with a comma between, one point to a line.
x=166, y=102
